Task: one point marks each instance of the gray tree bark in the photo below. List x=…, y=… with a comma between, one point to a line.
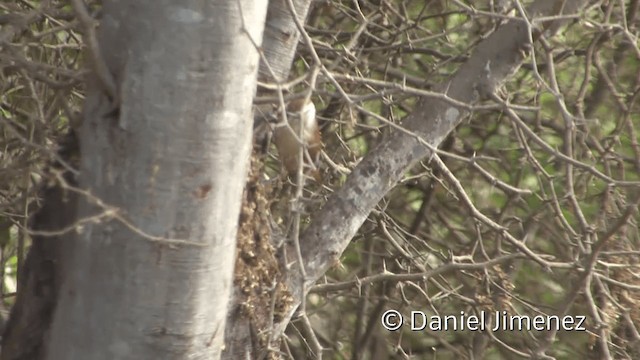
x=164, y=158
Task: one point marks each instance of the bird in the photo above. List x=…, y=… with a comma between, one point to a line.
x=301, y=131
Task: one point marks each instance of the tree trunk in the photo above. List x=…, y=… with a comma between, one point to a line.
x=147, y=273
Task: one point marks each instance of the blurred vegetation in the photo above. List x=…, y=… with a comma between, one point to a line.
x=570, y=193
x=560, y=171
x=41, y=91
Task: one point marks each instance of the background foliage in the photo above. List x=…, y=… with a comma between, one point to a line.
x=41, y=91
x=552, y=160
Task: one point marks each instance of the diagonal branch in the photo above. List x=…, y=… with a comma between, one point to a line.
x=493, y=61
x=332, y=228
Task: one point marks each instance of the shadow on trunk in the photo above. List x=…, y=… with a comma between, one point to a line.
x=39, y=280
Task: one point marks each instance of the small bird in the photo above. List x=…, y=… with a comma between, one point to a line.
x=302, y=131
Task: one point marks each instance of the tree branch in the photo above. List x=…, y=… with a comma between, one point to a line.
x=492, y=62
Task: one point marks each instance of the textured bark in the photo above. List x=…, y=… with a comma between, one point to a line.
x=163, y=166
x=281, y=36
